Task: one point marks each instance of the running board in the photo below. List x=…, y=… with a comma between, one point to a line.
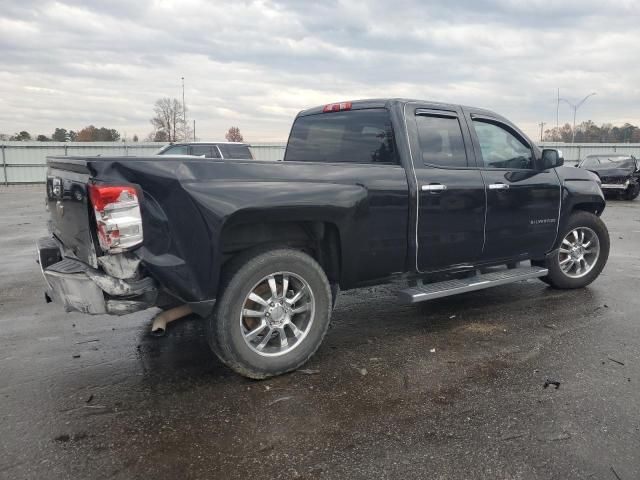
x=429, y=291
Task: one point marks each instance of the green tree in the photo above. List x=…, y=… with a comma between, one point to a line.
x=60, y=135
x=43, y=138
x=21, y=137
x=160, y=136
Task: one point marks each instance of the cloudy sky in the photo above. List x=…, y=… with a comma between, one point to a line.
x=256, y=64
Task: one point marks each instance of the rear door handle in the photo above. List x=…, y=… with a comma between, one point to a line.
x=434, y=187
x=498, y=186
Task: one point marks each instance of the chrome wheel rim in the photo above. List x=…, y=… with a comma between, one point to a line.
x=579, y=252
x=277, y=314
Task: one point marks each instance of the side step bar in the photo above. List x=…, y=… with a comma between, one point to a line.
x=430, y=291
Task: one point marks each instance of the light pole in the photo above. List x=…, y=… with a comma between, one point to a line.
x=184, y=111
x=575, y=111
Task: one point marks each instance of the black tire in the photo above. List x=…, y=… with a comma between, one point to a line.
x=632, y=192
x=225, y=331
x=556, y=277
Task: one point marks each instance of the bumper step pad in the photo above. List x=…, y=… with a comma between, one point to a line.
x=431, y=291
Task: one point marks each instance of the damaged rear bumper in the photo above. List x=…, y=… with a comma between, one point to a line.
x=81, y=288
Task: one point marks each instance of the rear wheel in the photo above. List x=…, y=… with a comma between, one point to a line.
x=273, y=313
x=581, y=254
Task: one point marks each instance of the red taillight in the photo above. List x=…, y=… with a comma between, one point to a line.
x=337, y=107
x=102, y=196
x=118, y=217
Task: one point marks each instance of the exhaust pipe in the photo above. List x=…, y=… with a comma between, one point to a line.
x=159, y=326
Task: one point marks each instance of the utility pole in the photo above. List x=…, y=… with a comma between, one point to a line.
x=542, y=124
x=194, y=130
x=575, y=108
x=184, y=109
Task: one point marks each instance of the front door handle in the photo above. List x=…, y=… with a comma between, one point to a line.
x=434, y=187
x=498, y=186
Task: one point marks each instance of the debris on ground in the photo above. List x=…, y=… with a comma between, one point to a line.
x=308, y=371
x=552, y=326
x=615, y=473
x=62, y=438
x=362, y=371
x=548, y=382
x=433, y=350
x=616, y=361
x=88, y=341
x=556, y=437
x=76, y=355
x=281, y=399
x=512, y=436
x=88, y=400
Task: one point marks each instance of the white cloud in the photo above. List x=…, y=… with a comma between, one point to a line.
x=255, y=64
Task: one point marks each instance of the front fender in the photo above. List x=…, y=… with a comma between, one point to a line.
x=580, y=191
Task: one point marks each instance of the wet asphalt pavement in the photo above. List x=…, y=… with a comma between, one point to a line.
x=97, y=397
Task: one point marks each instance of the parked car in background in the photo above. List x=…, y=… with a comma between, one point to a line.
x=222, y=150
x=619, y=174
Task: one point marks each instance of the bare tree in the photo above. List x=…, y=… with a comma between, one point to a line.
x=234, y=135
x=168, y=122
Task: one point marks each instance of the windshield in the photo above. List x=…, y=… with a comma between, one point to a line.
x=609, y=161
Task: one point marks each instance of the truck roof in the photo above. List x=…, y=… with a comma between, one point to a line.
x=209, y=143
x=388, y=102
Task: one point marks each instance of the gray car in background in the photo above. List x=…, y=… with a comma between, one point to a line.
x=222, y=150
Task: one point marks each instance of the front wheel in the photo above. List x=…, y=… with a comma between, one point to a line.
x=273, y=313
x=632, y=192
x=581, y=254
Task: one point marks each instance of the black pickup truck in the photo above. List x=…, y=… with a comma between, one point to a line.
x=449, y=198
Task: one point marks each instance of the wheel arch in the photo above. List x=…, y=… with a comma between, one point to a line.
x=320, y=239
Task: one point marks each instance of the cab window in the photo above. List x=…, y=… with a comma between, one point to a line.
x=177, y=150
x=208, y=151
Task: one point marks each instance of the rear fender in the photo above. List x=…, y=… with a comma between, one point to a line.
x=311, y=206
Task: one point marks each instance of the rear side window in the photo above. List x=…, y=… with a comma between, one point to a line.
x=209, y=151
x=240, y=152
x=355, y=136
x=177, y=150
x=441, y=141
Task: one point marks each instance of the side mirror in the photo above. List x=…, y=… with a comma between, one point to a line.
x=552, y=158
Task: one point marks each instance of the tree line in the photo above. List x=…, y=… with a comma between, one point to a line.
x=169, y=125
x=86, y=134
x=589, y=132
